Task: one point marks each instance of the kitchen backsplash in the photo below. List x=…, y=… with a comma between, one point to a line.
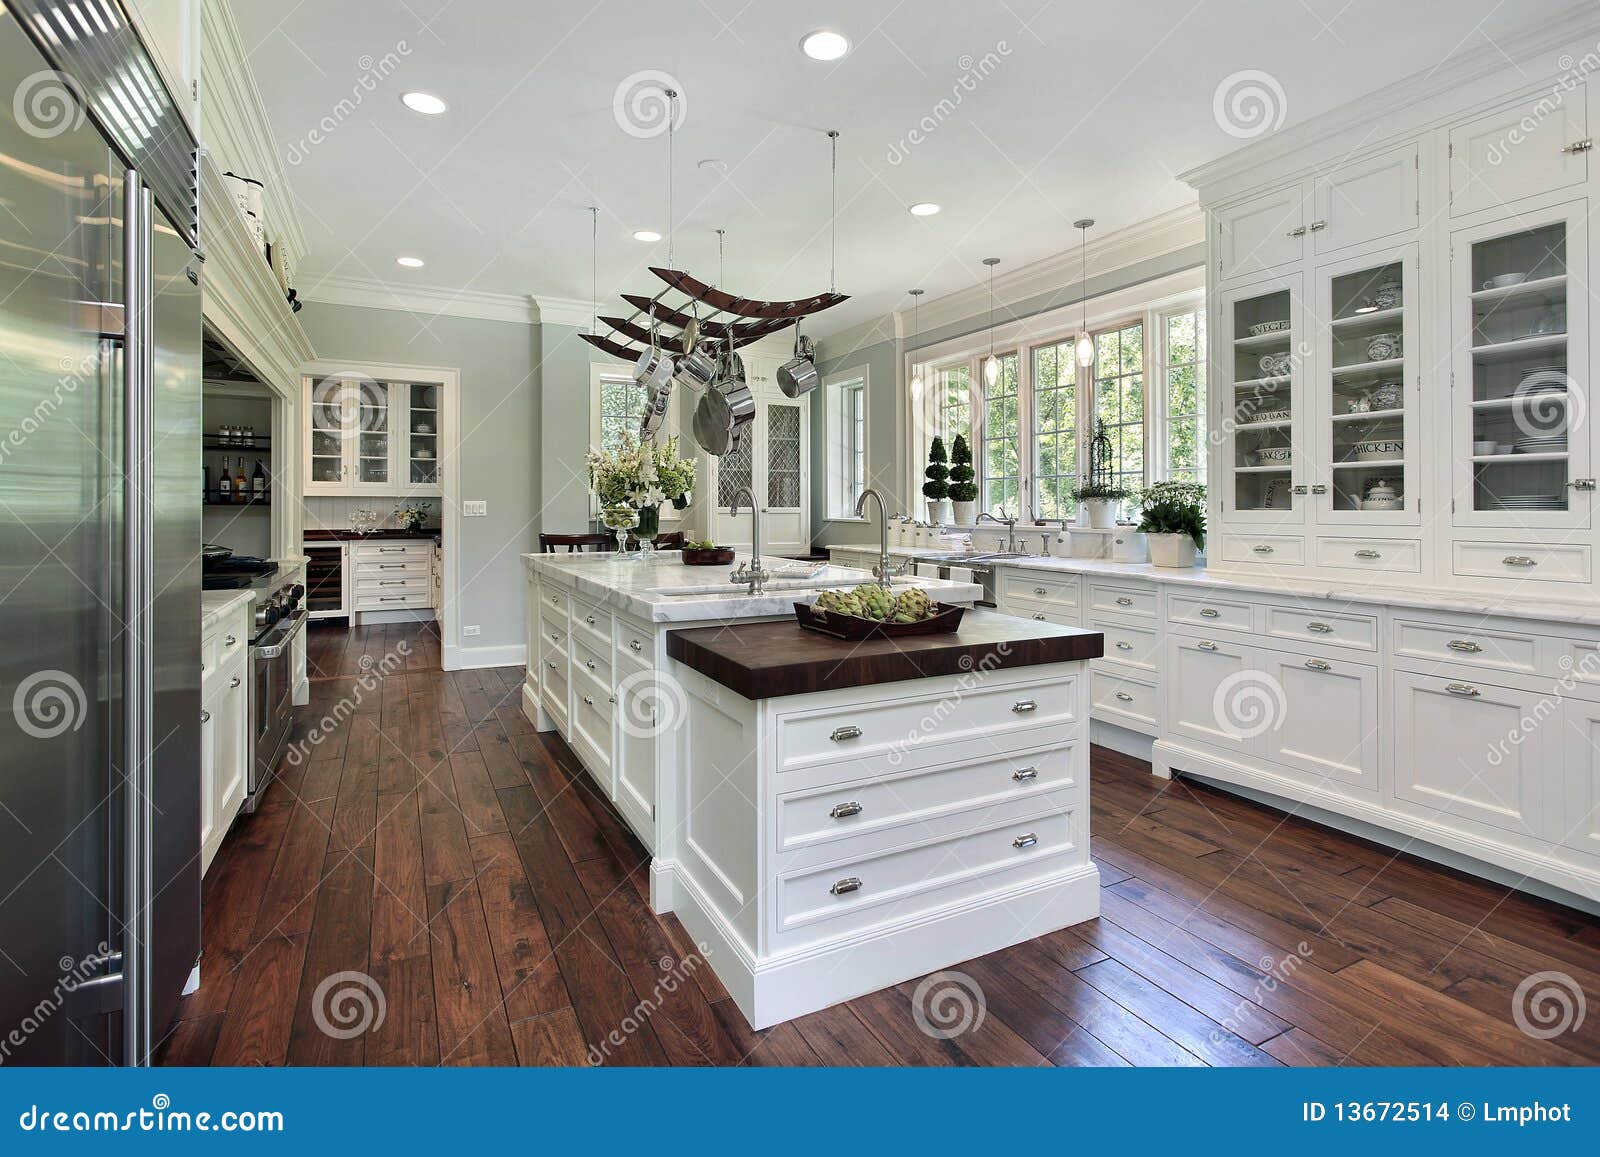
x=334, y=513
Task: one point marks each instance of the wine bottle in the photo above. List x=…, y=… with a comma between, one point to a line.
x=224, y=483
x=258, y=483
x=241, y=484
x=205, y=484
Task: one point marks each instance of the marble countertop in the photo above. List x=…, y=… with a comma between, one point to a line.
x=1539, y=606
x=215, y=605
x=663, y=590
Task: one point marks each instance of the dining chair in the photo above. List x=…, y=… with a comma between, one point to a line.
x=551, y=543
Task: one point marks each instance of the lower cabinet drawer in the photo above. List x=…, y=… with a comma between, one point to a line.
x=592, y=623
x=1565, y=563
x=1323, y=629
x=1041, y=612
x=392, y=586
x=834, y=735
x=1379, y=554
x=1129, y=645
x=1035, y=587
x=840, y=811
x=591, y=720
x=553, y=626
x=1120, y=600
x=1126, y=700
x=393, y=602
x=1211, y=614
x=1465, y=645
x=635, y=641
x=850, y=893
x=363, y=553
x=553, y=686
x=596, y=664
x=1263, y=549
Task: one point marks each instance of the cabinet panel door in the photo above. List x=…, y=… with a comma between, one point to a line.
x=1329, y=720
x=1210, y=695
x=208, y=783
x=1260, y=374
x=1263, y=233
x=1519, y=150
x=1576, y=824
x=1467, y=750
x=639, y=707
x=1365, y=199
x=231, y=718
x=329, y=412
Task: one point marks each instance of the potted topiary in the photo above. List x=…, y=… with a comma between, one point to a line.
x=1098, y=495
x=936, y=489
x=963, y=490
x=1173, y=518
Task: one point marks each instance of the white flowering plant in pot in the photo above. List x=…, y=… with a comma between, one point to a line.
x=1173, y=519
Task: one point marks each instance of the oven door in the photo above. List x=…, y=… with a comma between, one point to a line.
x=271, y=709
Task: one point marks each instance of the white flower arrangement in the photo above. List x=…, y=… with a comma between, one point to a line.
x=638, y=475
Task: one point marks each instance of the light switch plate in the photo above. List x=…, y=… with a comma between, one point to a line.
x=475, y=508
x=471, y=632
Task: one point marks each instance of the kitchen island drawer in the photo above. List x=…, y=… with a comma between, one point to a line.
x=820, y=814
x=591, y=661
x=1127, y=700
x=1133, y=646
x=591, y=622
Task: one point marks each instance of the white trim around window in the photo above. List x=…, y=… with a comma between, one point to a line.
x=603, y=373
x=847, y=433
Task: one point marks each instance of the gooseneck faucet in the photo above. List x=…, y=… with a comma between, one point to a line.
x=1009, y=523
x=752, y=571
x=883, y=572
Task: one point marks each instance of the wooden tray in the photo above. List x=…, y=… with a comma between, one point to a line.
x=722, y=556
x=850, y=627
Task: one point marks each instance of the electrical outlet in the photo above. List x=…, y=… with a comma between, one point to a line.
x=475, y=508
x=471, y=632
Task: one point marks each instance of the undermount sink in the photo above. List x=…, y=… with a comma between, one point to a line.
x=772, y=586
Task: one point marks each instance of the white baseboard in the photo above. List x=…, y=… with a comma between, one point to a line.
x=510, y=655
x=368, y=618
x=1121, y=739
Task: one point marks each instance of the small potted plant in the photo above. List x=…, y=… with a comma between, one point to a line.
x=963, y=490
x=413, y=515
x=1099, y=501
x=1173, y=519
x=936, y=489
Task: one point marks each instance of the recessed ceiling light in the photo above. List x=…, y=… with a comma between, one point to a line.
x=925, y=209
x=423, y=102
x=824, y=44
x=410, y=262
x=646, y=235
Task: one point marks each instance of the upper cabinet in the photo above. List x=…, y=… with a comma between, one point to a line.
x=365, y=436
x=1365, y=200
x=1260, y=234
x=1525, y=148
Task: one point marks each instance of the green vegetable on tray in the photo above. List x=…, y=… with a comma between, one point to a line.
x=870, y=601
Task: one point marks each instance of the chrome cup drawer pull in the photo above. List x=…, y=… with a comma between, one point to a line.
x=1465, y=646
x=1210, y=613
x=1023, y=706
x=1367, y=553
x=840, y=734
x=1319, y=628
x=1124, y=697
x=1518, y=560
x=1467, y=690
x=1026, y=840
x=841, y=811
x=1124, y=646
x=1262, y=548
x=1124, y=601
x=1040, y=591
x=846, y=886
x=1024, y=774
x=1207, y=646
x=1319, y=664
x=1039, y=617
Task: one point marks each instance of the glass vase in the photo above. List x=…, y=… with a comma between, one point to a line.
x=649, y=527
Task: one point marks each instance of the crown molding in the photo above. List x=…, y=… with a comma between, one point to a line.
x=569, y=311
x=421, y=299
x=1404, y=98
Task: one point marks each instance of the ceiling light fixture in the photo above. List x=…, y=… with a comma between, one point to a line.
x=916, y=328
x=1085, y=342
x=991, y=367
x=925, y=209
x=423, y=102
x=649, y=235
x=824, y=44
x=410, y=262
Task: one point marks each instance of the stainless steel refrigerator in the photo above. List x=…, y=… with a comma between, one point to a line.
x=99, y=541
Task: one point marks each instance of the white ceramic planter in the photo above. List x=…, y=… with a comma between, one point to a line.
x=1102, y=513
x=964, y=512
x=1173, y=550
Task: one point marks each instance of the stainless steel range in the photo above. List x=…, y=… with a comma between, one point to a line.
x=280, y=620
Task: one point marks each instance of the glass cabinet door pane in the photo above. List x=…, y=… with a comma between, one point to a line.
x=1262, y=335
x=423, y=434
x=332, y=413
x=372, y=463
x=1368, y=422
x=783, y=457
x=1521, y=393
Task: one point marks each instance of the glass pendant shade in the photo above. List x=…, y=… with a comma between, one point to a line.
x=1085, y=351
x=991, y=370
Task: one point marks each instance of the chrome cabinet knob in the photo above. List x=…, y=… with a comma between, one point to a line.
x=1026, y=840
x=1297, y=231
x=845, y=886
x=1024, y=774
x=1039, y=616
x=840, y=734
x=635, y=645
x=1040, y=591
x=205, y=717
x=234, y=682
x=229, y=641
x=841, y=811
x=1124, y=646
x=589, y=619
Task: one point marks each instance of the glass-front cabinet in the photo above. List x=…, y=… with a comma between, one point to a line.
x=1260, y=430
x=422, y=434
x=1519, y=376
x=366, y=436
x=1366, y=391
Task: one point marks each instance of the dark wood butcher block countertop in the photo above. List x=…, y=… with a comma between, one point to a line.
x=767, y=660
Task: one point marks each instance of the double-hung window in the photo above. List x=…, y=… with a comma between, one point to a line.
x=1183, y=374
x=1002, y=439
x=846, y=400
x=620, y=404
x=1119, y=400
x=1055, y=429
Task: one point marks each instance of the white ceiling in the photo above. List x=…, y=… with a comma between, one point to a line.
x=1085, y=109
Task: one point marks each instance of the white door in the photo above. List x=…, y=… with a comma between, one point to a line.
x=1261, y=372
x=328, y=405
x=1365, y=199
x=1529, y=147
x=1330, y=720
x=1576, y=824
x=209, y=837
x=636, y=740
x=231, y=719
x=1211, y=695
x=1259, y=234
x=418, y=413
x=1471, y=752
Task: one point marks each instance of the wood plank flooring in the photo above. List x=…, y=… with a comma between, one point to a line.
x=426, y=852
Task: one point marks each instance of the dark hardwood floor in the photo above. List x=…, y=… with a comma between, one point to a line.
x=495, y=908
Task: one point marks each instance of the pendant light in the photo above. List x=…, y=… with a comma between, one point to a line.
x=991, y=367
x=833, y=211
x=594, y=264
x=672, y=116
x=916, y=329
x=1085, y=342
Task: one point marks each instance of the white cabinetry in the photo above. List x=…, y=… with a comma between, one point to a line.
x=224, y=726
x=1518, y=150
x=773, y=459
x=365, y=436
